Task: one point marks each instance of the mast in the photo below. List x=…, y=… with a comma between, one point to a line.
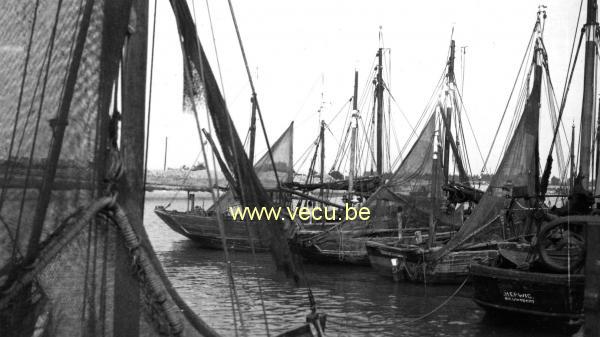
x=592, y=231
x=572, y=166
x=252, y=128
x=597, y=155
x=322, y=173
x=589, y=91
x=434, y=189
x=379, y=93
x=131, y=185
x=448, y=116
x=353, y=136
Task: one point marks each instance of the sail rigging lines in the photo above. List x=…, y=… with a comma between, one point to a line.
x=233, y=291
x=523, y=62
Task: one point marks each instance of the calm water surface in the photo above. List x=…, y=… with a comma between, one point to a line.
x=358, y=301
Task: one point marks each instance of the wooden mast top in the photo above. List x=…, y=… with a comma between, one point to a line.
x=589, y=92
x=379, y=94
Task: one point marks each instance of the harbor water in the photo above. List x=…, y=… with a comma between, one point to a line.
x=358, y=302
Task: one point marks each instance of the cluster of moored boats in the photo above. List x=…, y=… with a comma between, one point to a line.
x=520, y=243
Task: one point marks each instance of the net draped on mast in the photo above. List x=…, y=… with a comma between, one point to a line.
x=519, y=167
x=252, y=193
x=410, y=186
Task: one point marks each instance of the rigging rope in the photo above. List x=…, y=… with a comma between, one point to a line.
x=16, y=122
x=212, y=33
x=37, y=123
x=145, y=178
x=531, y=39
x=233, y=292
x=21, y=91
x=239, y=37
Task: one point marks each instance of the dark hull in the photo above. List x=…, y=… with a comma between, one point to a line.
x=345, y=247
x=536, y=295
x=413, y=264
x=314, y=254
x=205, y=230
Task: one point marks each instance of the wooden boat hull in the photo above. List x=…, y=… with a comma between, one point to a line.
x=538, y=295
x=315, y=254
x=345, y=248
x=410, y=263
x=205, y=230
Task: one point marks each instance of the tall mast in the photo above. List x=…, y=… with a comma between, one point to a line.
x=448, y=115
x=434, y=189
x=572, y=159
x=589, y=91
x=379, y=93
x=597, y=158
x=252, y=128
x=322, y=173
x=126, y=308
x=592, y=231
x=353, y=136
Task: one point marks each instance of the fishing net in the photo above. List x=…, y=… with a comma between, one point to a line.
x=60, y=61
x=518, y=168
x=30, y=101
x=409, y=190
x=252, y=193
x=39, y=51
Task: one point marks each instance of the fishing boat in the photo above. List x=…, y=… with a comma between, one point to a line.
x=479, y=238
x=368, y=166
x=549, y=278
x=411, y=203
x=201, y=225
x=75, y=259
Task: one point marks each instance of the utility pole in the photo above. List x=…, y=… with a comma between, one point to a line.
x=166, y=147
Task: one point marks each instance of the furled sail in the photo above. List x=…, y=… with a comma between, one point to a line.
x=252, y=192
x=519, y=167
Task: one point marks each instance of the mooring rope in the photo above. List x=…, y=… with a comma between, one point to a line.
x=441, y=305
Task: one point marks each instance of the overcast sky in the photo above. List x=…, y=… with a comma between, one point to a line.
x=300, y=50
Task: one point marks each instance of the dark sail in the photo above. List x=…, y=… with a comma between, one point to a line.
x=519, y=167
x=252, y=192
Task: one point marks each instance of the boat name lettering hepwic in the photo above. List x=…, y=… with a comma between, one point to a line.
x=514, y=296
x=302, y=213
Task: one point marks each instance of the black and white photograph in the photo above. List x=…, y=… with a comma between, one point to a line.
x=317, y=168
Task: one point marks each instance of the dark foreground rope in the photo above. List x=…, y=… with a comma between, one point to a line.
x=54, y=247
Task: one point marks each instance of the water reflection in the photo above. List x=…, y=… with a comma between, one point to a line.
x=358, y=302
